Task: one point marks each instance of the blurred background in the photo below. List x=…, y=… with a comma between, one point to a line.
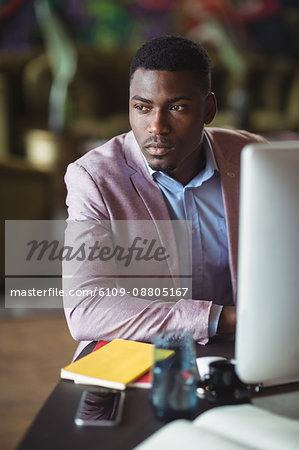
x=64, y=89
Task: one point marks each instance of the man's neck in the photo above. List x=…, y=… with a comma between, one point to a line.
x=190, y=168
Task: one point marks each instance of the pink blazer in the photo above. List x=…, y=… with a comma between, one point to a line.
x=112, y=183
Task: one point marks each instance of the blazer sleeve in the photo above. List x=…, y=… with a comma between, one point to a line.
x=91, y=313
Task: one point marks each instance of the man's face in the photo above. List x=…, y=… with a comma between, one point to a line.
x=167, y=114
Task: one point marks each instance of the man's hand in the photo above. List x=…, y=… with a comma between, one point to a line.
x=227, y=320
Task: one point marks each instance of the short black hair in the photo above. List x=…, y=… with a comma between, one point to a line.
x=173, y=53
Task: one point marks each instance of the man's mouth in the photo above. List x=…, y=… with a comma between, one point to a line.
x=158, y=149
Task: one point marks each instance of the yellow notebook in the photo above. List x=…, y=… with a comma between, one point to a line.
x=114, y=366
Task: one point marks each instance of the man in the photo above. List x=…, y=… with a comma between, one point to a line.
x=169, y=167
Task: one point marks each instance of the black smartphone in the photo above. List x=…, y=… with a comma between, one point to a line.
x=100, y=408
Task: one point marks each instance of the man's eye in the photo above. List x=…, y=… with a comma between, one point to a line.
x=142, y=108
x=177, y=108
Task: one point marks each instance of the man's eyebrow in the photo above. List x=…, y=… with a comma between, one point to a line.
x=141, y=99
x=169, y=100
x=177, y=99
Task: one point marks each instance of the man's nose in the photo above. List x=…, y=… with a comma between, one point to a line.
x=158, y=123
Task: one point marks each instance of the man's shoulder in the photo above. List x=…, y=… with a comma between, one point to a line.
x=233, y=136
x=104, y=154
x=228, y=143
x=106, y=161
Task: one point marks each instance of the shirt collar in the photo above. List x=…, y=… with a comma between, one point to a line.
x=207, y=173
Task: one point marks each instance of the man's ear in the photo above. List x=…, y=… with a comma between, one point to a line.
x=210, y=107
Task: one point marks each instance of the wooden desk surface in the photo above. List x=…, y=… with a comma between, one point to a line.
x=54, y=426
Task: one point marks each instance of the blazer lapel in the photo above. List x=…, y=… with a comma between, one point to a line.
x=154, y=202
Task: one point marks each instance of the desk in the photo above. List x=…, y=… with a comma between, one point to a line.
x=54, y=426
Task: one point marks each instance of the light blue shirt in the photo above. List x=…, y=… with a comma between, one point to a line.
x=200, y=201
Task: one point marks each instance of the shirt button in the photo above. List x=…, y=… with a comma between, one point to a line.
x=231, y=174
